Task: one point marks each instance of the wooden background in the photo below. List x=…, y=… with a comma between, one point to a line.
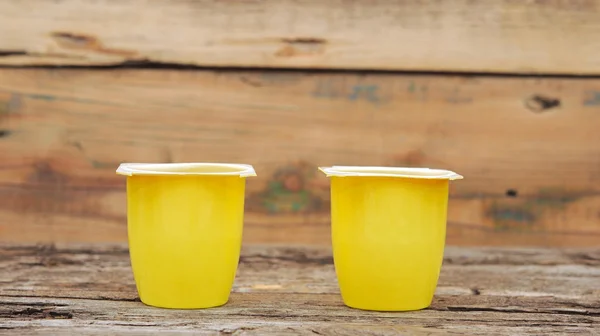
x=506, y=93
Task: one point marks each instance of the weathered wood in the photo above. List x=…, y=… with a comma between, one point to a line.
x=455, y=35
x=529, y=148
x=83, y=289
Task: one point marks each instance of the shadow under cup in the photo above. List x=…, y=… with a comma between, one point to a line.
x=184, y=226
x=388, y=233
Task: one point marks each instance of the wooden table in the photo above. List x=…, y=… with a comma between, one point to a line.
x=89, y=289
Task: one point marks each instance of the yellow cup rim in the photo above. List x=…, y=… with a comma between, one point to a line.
x=405, y=172
x=195, y=168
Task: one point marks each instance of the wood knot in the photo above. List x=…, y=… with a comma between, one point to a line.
x=301, y=47
x=84, y=42
x=75, y=41
x=539, y=103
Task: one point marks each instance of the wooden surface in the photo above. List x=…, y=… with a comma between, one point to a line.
x=89, y=290
x=511, y=36
x=529, y=148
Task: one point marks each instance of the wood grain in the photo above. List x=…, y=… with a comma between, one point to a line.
x=529, y=148
x=88, y=289
x=505, y=36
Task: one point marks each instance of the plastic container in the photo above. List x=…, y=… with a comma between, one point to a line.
x=184, y=224
x=388, y=232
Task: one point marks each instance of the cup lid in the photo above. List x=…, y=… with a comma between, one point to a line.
x=221, y=169
x=422, y=173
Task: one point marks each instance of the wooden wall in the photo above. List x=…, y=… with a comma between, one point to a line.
x=527, y=145
x=525, y=36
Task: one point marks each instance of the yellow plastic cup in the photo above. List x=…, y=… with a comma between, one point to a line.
x=388, y=232
x=184, y=223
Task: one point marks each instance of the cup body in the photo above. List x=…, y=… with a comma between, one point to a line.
x=185, y=233
x=388, y=235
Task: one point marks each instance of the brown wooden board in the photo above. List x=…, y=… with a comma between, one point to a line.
x=529, y=148
x=89, y=290
x=550, y=36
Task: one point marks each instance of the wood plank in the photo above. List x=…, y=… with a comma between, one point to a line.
x=528, y=147
x=39, y=270
x=88, y=289
x=504, y=36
